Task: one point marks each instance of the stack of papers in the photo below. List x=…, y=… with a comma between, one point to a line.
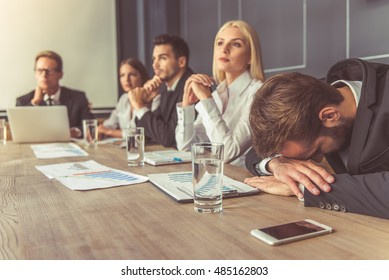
x=167, y=157
x=58, y=150
x=179, y=186
x=88, y=175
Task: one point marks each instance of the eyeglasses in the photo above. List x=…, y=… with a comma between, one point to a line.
x=47, y=71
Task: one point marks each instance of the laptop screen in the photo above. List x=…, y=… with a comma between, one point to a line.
x=33, y=124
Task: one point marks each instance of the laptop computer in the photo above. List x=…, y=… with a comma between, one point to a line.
x=39, y=124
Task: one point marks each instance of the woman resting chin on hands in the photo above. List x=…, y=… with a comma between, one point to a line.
x=223, y=115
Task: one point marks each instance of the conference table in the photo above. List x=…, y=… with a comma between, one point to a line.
x=42, y=219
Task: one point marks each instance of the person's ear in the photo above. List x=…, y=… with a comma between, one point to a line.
x=329, y=116
x=60, y=75
x=182, y=61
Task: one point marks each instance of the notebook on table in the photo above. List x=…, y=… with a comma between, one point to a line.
x=179, y=186
x=170, y=156
x=32, y=124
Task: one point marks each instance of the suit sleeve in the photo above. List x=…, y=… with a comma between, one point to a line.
x=19, y=102
x=251, y=160
x=25, y=100
x=78, y=111
x=85, y=110
x=157, y=129
x=366, y=194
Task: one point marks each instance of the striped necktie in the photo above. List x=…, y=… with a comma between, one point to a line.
x=50, y=101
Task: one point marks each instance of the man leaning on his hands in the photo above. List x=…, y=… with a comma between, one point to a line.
x=297, y=119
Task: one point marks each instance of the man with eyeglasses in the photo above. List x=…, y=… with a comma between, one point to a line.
x=48, y=72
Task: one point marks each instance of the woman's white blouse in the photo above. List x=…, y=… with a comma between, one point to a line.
x=223, y=118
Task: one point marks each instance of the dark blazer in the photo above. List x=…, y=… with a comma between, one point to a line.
x=160, y=125
x=362, y=187
x=75, y=101
x=251, y=160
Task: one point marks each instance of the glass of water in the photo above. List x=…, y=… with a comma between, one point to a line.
x=207, y=169
x=135, y=145
x=90, y=133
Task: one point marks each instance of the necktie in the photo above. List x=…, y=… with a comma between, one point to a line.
x=50, y=101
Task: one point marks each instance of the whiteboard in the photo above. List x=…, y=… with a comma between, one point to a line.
x=83, y=32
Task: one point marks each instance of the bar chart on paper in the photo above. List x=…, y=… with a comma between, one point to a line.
x=186, y=178
x=179, y=186
x=89, y=175
x=108, y=175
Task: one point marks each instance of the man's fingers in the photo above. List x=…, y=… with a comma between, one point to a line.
x=322, y=172
x=304, y=175
x=307, y=173
x=270, y=185
x=153, y=84
x=251, y=180
x=263, y=184
x=293, y=185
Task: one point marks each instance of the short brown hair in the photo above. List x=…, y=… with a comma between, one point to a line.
x=52, y=55
x=179, y=46
x=286, y=108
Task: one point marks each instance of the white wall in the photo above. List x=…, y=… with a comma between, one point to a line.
x=81, y=31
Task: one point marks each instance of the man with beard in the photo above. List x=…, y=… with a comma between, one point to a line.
x=296, y=118
x=170, y=64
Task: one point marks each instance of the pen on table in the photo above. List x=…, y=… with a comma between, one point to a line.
x=176, y=159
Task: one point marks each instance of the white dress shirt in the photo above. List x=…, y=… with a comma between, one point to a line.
x=121, y=117
x=55, y=98
x=223, y=118
x=140, y=113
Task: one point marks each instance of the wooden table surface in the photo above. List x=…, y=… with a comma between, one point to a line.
x=42, y=219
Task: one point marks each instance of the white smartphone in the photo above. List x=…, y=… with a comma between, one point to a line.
x=285, y=233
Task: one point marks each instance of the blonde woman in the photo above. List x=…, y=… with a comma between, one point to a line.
x=223, y=115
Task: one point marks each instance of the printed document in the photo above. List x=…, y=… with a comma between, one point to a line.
x=179, y=186
x=58, y=150
x=88, y=175
x=167, y=157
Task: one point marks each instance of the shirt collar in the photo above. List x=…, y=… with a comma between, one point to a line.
x=238, y=86
x=173, y=87
x=355, y=86
x=55, y=97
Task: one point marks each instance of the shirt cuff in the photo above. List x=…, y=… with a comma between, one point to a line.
x=185, y=115
x=261, y=166
x=140, y=113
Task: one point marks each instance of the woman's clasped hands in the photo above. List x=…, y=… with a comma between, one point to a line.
x=197, y=87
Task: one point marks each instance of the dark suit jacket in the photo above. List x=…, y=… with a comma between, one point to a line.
x=251, y=160
x=160, y=125
x=75, y=101
x=362, y=187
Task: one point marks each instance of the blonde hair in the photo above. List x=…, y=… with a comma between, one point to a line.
x=251, y=36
